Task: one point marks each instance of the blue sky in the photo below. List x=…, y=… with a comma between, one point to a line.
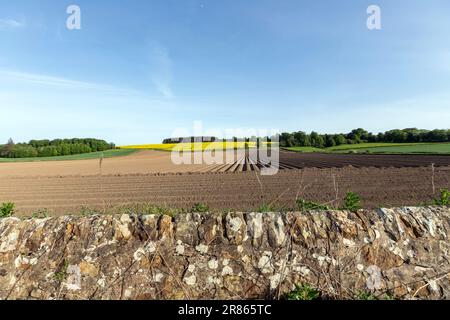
x=138, y=70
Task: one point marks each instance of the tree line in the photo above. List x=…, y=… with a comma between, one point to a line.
x=53, y=148
x=189, y=140
x=314, y=139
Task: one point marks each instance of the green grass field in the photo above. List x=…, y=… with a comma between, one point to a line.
x=382, y=148
x=305, y=149
x=84, y=156
x=346, y=147
x=438, y=148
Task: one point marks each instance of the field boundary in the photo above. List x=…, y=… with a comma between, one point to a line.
x=228, y=256
x=78, y=157
x=372, y=149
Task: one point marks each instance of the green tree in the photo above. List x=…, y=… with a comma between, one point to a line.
x=6, y=149
x=329, y=141
x=22, y=151
x=437, y=136
x=63, y=149
x=317, y=140
x=395, y=136
x=48, y=151
x=339, y=139
x=302, y=139
x=284, y=138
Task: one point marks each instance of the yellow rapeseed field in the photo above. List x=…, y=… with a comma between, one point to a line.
x=196, y=146
x=150, y=146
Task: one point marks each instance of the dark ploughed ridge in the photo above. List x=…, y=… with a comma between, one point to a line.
x=294, y=160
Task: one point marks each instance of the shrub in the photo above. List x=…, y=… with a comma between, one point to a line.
x=7, y=209
x=444, y=200
x=200, y=208
x=303, y=292
x=304, y=205
x=352, y=202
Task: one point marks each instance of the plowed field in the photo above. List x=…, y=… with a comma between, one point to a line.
x=150, y=177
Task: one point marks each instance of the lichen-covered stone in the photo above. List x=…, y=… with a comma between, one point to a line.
x=404, y=252
x=236, y=229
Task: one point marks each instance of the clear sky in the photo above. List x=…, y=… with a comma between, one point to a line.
x=140, y=69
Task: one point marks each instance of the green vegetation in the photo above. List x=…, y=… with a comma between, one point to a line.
x=303, y=292
x=306, y=149
x=381, y=148
x=444, y=200
x=61, y=274
x=264, y=208
x=364, y=295
x=40, y=214
x=84, y=156
x=307, y=292
x=361, y=136
x=418, y=148
x=7, y=210
x=304, y=205
x=87, y=211
x=160, y=210
x=200, y=208
x=368, y=145
x=53, y=148
x=352, y=202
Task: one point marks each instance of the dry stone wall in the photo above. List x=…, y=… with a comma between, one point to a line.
x=403, y=252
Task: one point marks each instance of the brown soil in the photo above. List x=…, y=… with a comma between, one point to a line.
x=157, y=162
x=146, y=161
x=323, y=160
x=150, y=177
